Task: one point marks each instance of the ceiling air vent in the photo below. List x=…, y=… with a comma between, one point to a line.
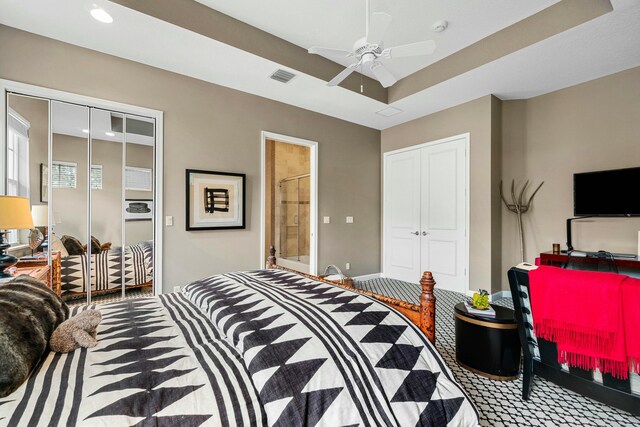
x=282, y=76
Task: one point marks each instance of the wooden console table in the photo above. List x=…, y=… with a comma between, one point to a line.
x=557, y=260
x=38, y=268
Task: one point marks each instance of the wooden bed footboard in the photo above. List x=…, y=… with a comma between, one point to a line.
x=422, y=315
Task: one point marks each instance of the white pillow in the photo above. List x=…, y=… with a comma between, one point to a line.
x=56, y=245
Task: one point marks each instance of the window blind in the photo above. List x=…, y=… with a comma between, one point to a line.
x=96, y=177
x=139, y=179
x=64, y=174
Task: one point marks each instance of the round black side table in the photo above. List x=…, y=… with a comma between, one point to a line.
x=488, y=346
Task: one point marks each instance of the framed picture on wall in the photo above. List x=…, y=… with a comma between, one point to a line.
x=44, y=183
x=138, y=209
x=215, y=200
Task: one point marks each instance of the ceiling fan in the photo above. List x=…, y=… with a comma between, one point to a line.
x=370, y=51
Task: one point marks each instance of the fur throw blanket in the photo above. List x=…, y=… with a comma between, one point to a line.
x=29, y=313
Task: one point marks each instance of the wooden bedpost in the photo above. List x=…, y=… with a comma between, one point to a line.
x=271, y=259
x=428, y=306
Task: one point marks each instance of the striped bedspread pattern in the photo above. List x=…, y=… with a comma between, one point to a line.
x=246, y=349
x=159, y=362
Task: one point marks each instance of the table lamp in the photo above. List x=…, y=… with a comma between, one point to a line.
x=40, y=214
x=14, y=214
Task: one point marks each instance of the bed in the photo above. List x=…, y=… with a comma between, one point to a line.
x=106, y=271
x=266, y=347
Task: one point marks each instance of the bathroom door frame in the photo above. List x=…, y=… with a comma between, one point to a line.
x=9, y=86
x=313, y=208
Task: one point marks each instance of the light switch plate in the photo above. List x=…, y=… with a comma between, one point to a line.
x=349, y=220
x=168, y=221
x=348, y=266
x=327, y=219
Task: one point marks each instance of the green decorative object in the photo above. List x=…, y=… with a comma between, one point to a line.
x=480, y=300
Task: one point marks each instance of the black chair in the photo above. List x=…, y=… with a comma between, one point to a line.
x=541, y=357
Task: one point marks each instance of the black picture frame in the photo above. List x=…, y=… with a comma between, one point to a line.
x=238, y=224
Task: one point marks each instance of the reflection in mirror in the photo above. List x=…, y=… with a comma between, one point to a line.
x=106, y=203
x=26, y=154
x=69, y=194
x=139, y=203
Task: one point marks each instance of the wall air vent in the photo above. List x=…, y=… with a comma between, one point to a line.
x=282, y=76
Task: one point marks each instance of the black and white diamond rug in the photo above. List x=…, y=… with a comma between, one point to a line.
x=499, y=402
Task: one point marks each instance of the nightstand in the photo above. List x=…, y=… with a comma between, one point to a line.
x=488, y=346
x=34, y=268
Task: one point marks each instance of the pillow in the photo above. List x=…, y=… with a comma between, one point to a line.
x=29, y=313
x=56, y=245
x=95, y=246
x=73, y=245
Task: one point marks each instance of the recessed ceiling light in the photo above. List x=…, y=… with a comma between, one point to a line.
x=101, y=15
x=110, y=134
x=85, y=130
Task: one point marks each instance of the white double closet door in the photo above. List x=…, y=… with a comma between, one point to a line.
x=425, y=216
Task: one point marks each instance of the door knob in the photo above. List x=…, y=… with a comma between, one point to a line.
x=414, y=232
x=424, y=233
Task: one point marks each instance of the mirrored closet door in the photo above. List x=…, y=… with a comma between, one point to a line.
x=89, y=174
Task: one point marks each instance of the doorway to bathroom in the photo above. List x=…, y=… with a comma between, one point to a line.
x=289, y=201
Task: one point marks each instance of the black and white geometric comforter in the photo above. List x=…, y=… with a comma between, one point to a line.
x=322, y=355
x=247, y=349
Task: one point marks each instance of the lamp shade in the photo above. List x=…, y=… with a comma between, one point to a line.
x=15, y=213
x=40, y=214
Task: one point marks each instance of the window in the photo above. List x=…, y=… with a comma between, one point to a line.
x=64, y=174
x=96, y=177
x=17, y=161
x=138, y=179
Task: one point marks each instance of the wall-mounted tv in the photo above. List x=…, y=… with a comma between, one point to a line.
x=607, y=193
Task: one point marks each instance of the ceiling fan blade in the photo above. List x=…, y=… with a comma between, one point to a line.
x=326, y=51
x=378, y=26
x=414, y=49
x=383, y=75
x=343, y=75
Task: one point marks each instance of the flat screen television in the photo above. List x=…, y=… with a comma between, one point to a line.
x=607, y=193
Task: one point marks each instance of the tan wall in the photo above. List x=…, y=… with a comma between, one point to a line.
x=216, y=128
x=473, y=117
x=591, y=126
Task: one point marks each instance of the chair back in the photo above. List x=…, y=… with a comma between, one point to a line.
x=519, y=285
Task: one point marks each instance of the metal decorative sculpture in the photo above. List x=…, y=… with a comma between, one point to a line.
x=35, y=239
x=519, y=206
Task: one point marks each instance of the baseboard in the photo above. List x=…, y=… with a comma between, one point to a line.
x=500, y=294
x=367, y=276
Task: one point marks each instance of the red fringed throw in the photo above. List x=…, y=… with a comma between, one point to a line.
x=631, y=318
x=592, y=317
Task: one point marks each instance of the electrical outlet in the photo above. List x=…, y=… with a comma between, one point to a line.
x=349, y=220
x=168, y=221
x=327, y=220
x=348, y=266
x=176, y=289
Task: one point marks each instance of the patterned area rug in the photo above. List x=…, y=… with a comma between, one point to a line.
x=499, y=402
x=103, y=299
